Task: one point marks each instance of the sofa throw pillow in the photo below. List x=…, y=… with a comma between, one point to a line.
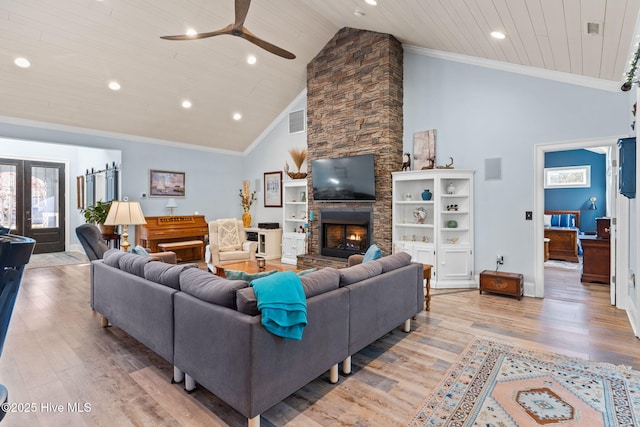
x=228, y=238
x=247, y=277
x=139, y=250
x=372, y=253
x=547, y=220
x=211, y=288
x=307, y=271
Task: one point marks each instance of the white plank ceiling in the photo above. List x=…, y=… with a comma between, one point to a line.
x=77, y=46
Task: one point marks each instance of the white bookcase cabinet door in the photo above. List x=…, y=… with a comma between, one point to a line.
x=294, y=220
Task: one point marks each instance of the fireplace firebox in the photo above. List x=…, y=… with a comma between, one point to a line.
x=345, y=232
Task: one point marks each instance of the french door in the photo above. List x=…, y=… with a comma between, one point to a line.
x=32, y=201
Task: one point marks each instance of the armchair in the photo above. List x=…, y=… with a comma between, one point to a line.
x=94, y=247
x=228, y=243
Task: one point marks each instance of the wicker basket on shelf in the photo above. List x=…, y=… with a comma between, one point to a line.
x=297, y=175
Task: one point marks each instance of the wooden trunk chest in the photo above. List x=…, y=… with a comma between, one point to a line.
x=502, y=283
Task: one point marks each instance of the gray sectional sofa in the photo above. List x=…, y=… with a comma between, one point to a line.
x=210, y=329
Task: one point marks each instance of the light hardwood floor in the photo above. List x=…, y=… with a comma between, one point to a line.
x=57, y=353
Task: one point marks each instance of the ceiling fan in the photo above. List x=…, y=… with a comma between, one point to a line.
x=238, y=29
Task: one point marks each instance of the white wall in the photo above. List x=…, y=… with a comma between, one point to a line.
x=480, y=113
x=269, y=156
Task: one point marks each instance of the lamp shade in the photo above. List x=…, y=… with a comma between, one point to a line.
x=125, y=213
x=171, y=203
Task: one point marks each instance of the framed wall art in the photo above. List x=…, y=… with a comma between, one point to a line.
x=567, y=177
x=273, y=189
x=166, y=183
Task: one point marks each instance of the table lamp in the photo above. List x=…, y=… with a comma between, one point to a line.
x=171, y=204
x=125, y=214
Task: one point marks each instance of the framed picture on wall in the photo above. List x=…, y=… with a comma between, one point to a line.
x=166, y=183
x=273, y=189
x=567, y=177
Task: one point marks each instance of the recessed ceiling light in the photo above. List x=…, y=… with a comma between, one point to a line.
x=113, y=85
x=251, y=59
x=497, y=35
x=191, y=32
x=237, y=116
x=22, y=62
x=358, y=12
x=186, y=104
x=371, y=2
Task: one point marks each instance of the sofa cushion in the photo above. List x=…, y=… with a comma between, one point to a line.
x=313, y=283
x=359, y=272
x=247, y=277
x=165, y=274
x=112, y=257
x=321, y=281
x=211, y=288
x=134, y=264
x=234, y=256
x=372, y=253
x=392, y=262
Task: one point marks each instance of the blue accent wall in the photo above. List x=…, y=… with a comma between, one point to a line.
x=578, y=198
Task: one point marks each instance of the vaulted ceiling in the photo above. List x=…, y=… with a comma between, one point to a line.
x=76, y=47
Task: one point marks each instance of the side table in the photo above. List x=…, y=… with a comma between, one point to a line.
x=113, y=240
x=426, y=272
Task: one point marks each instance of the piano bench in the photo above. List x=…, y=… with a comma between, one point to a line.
x=192, y=250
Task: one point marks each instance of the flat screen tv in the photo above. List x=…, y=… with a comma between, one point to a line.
x=344, y=179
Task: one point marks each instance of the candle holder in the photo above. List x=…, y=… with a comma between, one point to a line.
x=261, y=263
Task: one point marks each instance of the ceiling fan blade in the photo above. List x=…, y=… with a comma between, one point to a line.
x=242, y=8
x=225, y=30
x=247, y=35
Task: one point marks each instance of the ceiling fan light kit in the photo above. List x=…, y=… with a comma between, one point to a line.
x=239, y=30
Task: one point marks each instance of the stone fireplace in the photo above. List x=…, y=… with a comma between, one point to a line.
x=354, y=106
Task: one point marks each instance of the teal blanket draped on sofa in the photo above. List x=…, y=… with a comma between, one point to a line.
x=282, y=303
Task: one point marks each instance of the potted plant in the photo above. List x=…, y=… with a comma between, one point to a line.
x=97, y=214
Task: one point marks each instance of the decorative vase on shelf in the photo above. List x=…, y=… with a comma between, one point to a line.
x=246, y=220
x=426, y=194
x=452, y=223
x=451, y=189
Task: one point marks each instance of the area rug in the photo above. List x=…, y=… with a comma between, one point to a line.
x=56, y=258
x=496, y=384
x=563, y=265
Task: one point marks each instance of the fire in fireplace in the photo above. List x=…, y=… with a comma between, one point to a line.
x=345, y=232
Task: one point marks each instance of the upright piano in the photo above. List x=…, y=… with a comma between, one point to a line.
x=167, y=229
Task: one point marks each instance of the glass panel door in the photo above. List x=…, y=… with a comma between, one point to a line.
x=11, y=181
x=32, y=202
x=44, y=205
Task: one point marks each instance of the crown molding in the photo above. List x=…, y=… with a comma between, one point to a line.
x=111, y=135
x=609, y=85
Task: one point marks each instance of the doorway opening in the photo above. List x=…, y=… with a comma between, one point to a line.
x=610, y=148
x=32, y=202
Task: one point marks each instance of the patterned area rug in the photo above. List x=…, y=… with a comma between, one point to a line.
x=495, y=384
x=56, y=258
